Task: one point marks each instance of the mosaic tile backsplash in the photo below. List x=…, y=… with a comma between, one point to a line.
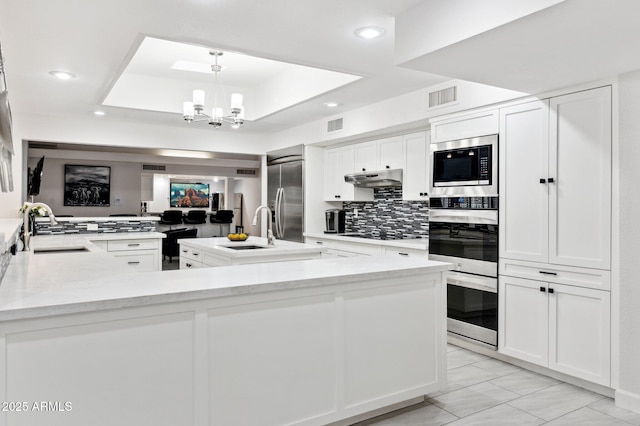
x=388, y=217
x=64, y=227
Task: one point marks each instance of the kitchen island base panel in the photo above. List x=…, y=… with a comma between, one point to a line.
x=304, y=356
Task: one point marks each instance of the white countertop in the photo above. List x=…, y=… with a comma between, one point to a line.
x=102, y=219
x=412, y=243
x=37, y=285
x=222, y=246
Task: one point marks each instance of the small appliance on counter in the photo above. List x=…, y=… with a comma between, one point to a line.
x=334, y=221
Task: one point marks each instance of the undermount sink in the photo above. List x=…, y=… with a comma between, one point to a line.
x=61, y=250
x=246, y=247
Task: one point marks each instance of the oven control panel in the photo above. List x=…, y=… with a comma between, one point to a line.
x=466, y=203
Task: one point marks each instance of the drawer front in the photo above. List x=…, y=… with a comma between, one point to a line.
x=394, y=251
x=133, y=244
x=189, y=263
x=141, y=261
x=190, y=253
x=580, y=277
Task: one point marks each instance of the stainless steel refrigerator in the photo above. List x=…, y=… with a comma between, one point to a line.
x=285, y=192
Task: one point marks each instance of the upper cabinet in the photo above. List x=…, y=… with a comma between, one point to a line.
x=337, y=163
x=378, y=155
x=555, y=180
x=415, y=185
x=464, y=125
x=407, y=152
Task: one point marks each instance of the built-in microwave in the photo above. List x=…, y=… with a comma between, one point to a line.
x=466, y=167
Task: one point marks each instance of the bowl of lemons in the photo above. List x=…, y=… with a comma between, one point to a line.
x=237, y=237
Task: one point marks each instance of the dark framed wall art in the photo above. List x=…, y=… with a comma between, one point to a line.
x=87, y=186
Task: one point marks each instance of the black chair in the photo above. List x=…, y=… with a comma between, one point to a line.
x=171, y=217
x=195, y=217
x=222, y=218
x=170, y=246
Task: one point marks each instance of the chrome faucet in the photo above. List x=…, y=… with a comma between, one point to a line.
x=270, y=237
x=25, y=221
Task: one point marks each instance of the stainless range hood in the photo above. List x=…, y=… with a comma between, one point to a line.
x=375, y=179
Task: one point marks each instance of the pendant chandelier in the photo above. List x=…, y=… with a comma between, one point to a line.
x=194, y=111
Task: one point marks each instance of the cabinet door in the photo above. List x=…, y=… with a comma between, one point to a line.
x=579, y=332
x=580, y=197
x=523, y=319
x=365, y=157
x=415, y=179
x=389, y=152
x=332, y=169
x=523, y=162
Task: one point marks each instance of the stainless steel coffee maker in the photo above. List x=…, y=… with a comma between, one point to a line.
x=334, y=222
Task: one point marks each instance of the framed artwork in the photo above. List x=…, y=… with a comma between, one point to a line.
x=87, y=186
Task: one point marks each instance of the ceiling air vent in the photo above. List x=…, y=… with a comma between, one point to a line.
x=157, y=167
x=251, y=172
x=334, y=125
x=443, y=97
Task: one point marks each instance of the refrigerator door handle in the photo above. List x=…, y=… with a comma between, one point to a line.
x=281, y=227
x=277, y=212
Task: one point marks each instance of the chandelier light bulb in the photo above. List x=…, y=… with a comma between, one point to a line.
x=187, y=110
x=198, y=99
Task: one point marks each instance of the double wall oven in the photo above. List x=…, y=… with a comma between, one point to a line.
x=463, y=230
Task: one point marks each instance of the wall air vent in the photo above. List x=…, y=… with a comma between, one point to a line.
x=443, y=97
x=249, y=172
x=334, y=125
x=156, y=167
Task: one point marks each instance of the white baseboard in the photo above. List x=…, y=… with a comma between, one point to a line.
x=627, y=400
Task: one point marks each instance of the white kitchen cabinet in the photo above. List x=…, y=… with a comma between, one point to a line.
x=415, y=185
x=464, y=125
x=380, y=154
x=565, y=328
x=365, y=157
x=405, y=252
x=339, y=162
x=555, y=180
x=390, y=153
x=143, y=254
x=190, y=258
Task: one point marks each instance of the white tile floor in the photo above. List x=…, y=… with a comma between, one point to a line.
x=485, y=391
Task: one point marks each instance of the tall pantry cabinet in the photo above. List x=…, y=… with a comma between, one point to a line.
x=555, y=233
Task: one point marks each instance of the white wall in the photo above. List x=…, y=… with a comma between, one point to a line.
x=400, y=114
x=124, y=195
x=628, y=393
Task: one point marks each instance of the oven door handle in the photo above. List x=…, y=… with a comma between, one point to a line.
x=477, y=283
x=489, y=217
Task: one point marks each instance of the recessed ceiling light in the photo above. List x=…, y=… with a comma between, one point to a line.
x=370, y=32
x=62, y=75
x=98, y=113
x=331, y=104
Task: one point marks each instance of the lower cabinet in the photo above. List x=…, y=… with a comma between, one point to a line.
x=190, y=258
x=143, y=254
x=565, y=328
x=349, y=249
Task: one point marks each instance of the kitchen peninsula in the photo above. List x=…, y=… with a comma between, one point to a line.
x=306, y=342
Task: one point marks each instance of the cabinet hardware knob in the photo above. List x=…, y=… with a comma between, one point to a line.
x=403, y=254
x=188, y=265
x=364, y=170
x=551, y=291
x=387, y=167
x=542, y=289
x=551, y=180
x=133, y=244
x=319, y=242
x=543, y=180
x=548, y=273
x=134, y=263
